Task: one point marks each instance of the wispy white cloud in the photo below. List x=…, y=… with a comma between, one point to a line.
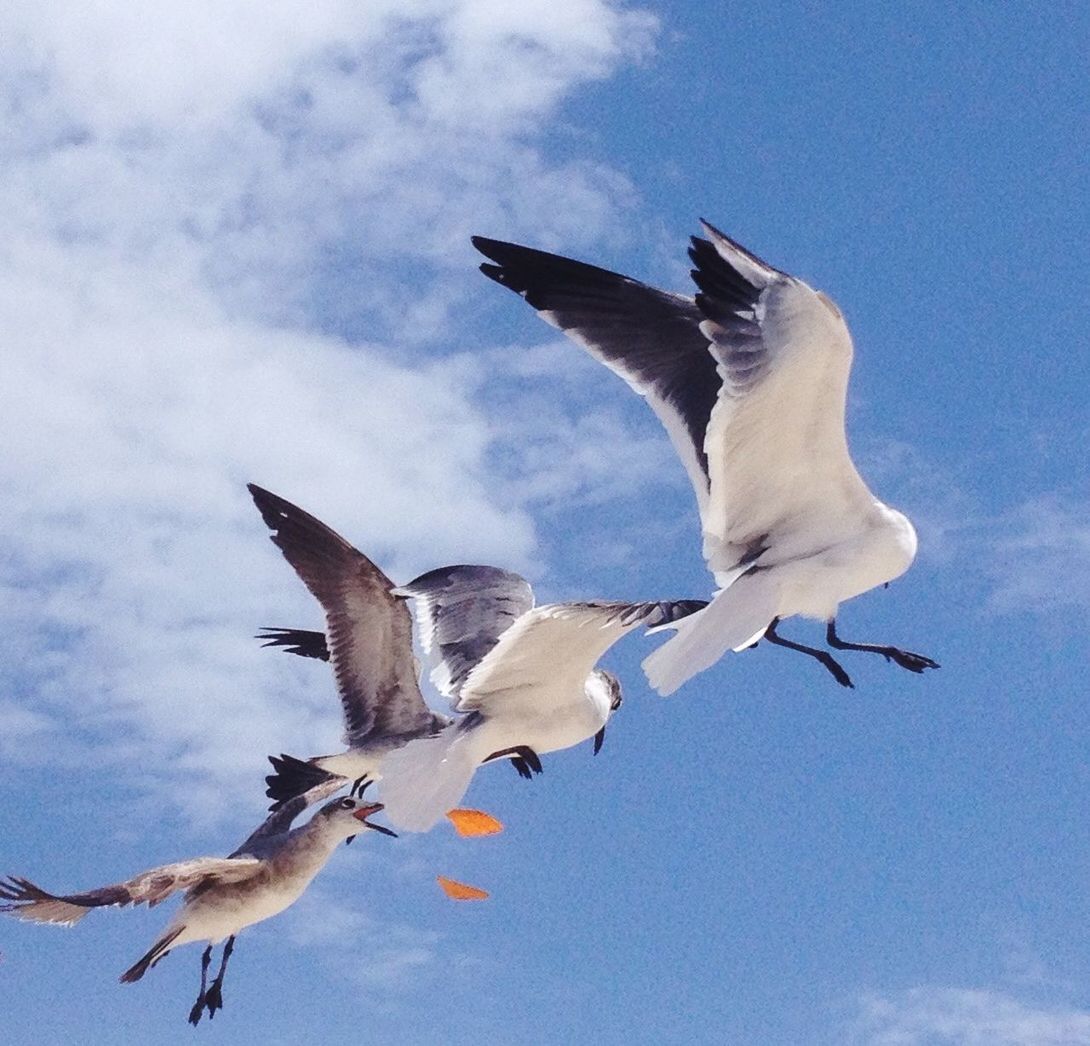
x=230, y=237
x=942, y=1016
x=1042, y=559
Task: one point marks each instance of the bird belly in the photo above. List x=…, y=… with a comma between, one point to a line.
x=817, y=584
x=219, y=914
x=555, y=730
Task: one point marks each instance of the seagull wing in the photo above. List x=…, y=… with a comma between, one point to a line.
x=777, y=451
x=651, y=338
x=31, y=902
x=368, y=629
x=553, y=649
x=277, y=823
x=462, y=611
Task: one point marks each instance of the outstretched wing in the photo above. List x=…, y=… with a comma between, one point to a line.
x=651, y=338
x=749, y=379
x=462, y=611
x=552, y=650
x=368, y=629
x=279, y=822
x=776, y=446
x=29, y=901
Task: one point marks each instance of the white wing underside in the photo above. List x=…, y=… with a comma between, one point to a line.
x=548, y=652
x=777, y=452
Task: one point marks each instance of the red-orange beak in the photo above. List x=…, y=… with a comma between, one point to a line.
x=372, y=808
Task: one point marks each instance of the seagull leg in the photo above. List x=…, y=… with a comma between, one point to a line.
x=214, y=999
x=531, y=758
x=524, y=759
x=360, y=785
x=823, y=656
x=904, y=658
x=198, y=1006
x=520, y=765
x=599, y=739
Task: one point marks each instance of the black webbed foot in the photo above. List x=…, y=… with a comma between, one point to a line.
x=905, y=658
x=522, y=767
x=214, y=1001
x=197, y=1012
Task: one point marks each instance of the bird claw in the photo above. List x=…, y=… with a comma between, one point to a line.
x=213, y=1000
x=907, y=659
x=197, y=1012
x=839, y=674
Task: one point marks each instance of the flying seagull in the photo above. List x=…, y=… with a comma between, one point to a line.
x=749, y=378
x=522, y=677
x=223, y=895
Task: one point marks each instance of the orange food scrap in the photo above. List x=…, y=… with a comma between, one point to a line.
x=460, y=891
x=474, y=822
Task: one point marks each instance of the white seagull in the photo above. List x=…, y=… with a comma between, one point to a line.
x=223, y=895
x=522, y=677
x=750, y=379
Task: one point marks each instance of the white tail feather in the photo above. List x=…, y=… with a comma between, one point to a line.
x=734, y=619
x=426, y=778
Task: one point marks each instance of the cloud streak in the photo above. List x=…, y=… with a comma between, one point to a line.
x=938, y=1016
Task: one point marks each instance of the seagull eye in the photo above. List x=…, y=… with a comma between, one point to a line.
x=348, y=804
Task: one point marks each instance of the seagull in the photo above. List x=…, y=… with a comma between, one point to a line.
x=223, y=895
x=749, y=378
x=521, y=678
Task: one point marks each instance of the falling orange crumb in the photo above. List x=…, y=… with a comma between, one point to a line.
x=460, y=891
x=474, y=822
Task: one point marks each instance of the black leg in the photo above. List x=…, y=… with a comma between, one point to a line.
x=904, y=658
x=599, y=739
x=823, y=656
x=214, y=1000
x=524, y=759
x=531, y=757
x=198, y=1006
x=360, y=785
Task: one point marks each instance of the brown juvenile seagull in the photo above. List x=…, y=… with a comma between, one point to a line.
x=223, y=895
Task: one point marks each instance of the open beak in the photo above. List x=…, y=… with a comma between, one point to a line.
x=365, y=811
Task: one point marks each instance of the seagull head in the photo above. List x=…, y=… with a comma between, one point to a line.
x=351, y=812
x=606, y=687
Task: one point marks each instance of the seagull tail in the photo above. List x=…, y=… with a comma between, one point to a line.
x=736, y=618
x=296, y=777
x=426, y=778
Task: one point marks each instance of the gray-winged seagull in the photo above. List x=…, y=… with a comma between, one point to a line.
x=223, y=895
x=523, y=677
x=750, y=379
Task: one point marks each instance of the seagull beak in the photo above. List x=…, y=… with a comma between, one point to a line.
x=365, y=811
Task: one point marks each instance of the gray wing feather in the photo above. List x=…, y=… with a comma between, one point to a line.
x=278, y=823
x=462, y=612
x=368, y=629
x=30, y=902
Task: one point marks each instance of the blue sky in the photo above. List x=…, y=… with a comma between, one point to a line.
x=235, y=247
